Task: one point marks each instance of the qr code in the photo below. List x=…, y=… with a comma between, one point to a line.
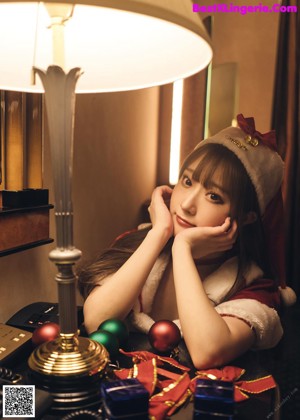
x=18, y=401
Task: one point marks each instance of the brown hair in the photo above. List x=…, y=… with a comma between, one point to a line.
x=109, y=261
x=250, y=245
x=216, y=159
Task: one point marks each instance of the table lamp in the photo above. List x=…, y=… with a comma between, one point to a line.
x=90, y=46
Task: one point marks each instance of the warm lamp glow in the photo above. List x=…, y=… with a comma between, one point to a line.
x=117, y=49
x=176, y=131
x=118, y=45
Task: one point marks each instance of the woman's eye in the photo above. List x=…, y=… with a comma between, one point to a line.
x=186, y=181
x=215, y=197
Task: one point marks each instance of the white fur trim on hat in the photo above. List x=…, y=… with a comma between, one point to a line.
x=263, y=165
x=288, y=296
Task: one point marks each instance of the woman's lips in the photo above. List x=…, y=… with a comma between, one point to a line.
x=183, y=222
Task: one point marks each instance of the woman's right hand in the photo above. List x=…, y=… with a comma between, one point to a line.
x=130, y=278
x=208, y=240
x=160, y=215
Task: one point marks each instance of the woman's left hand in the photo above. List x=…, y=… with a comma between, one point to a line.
x=204, y=241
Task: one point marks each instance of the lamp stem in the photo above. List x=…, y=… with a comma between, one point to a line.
x=59, y=14
x=58, y=44
x=60, y=105
x=69, y=364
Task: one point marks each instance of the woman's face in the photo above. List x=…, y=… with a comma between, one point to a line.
x=194, y=205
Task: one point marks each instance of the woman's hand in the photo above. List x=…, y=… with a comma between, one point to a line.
x=160, y=215
x=204, y=241
x=130, y=278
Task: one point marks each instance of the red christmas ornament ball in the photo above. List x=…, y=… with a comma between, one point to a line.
x=164, y=336
x=45, y=332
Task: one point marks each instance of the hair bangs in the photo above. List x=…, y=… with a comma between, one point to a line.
x=213, y=170
x=219, y=166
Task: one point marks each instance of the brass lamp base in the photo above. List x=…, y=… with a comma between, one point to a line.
x=69, y=355
x=71, y=369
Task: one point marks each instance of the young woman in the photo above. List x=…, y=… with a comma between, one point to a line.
x=203, y=262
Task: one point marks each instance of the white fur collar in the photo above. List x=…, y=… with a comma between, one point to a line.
x=216, y=286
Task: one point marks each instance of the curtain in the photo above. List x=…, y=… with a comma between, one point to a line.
x=286, y=122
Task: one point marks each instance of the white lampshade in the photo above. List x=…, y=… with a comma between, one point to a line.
x=119, y=44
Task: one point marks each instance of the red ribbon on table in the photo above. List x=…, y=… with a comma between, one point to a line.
x=140, y=356
x=248, y=126
x=241, y=387
x=169, y=393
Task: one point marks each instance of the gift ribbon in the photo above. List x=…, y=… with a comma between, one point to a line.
x=248, y=126
x=166, y=402
x=168, y=394
x=241, y=387
x=173, y=390
x=140, y=356
x=145, y=372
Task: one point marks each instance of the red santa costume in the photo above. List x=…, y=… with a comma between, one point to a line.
x=258, y=302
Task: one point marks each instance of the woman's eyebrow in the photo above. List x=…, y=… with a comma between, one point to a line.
x=213, y=184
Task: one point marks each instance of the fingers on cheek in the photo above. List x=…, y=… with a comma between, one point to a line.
x=231, y=236
x=232, y=233
x=235, y=227
x=235, y=232
x=227, y=243
x=232, y=241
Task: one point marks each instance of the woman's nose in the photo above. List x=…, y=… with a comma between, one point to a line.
x=188, y=204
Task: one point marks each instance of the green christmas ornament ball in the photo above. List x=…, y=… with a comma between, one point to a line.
x=108, y=340
x=116, y=327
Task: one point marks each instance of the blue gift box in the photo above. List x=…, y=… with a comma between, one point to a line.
x=126, y=399
x=213, y=399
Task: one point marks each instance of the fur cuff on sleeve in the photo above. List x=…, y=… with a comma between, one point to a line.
x=140, y=321
x=264, y=320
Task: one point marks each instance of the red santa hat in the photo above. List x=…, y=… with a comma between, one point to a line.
x=258, y=153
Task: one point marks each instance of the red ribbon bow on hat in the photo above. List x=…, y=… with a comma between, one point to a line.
x=233, y=374
x=248, y=126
